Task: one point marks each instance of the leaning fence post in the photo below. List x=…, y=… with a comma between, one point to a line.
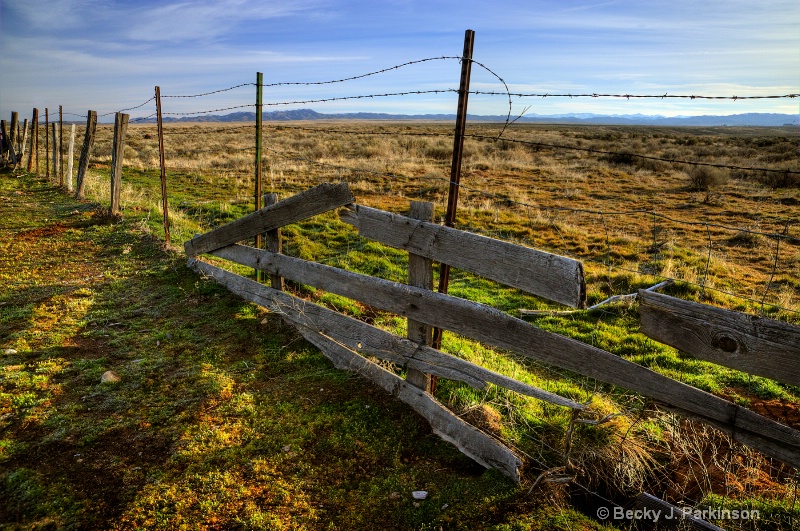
x=12, y=138
x=420, y=275
x=120, y=128
x=86, y=151
x=24, y=139
x=162, y=164
x=33, y=154
x=274, y=242
x=70, y=155
x=455, y=167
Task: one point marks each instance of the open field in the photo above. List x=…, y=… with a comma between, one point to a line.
x=577, y=203
x=228, y=389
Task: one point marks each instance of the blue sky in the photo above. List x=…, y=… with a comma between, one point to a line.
x=107, y=55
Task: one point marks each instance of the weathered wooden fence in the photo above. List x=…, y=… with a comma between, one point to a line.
x=760, y=346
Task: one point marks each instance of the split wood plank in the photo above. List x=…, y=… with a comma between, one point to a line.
x=546, y=275
x=367, y=339
x=496, y=328
x=670, y=517
x=296, y=208
x=327, y=330
x=274, y=241
x=420, y=274
x=748, y=343
x=469, y=440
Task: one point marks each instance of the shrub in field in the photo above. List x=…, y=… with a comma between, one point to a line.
x=706, y=178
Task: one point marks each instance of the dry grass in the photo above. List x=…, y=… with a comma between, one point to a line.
x=570, y=202
x=594, y=207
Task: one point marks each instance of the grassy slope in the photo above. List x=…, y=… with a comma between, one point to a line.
x=224, y=418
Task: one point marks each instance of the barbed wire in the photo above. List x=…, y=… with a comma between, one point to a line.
x=184, y=152
x=199, y=131
x=128, y=109
x=632, y=96
x=361, y=76
x=635, y=155
x=507, y=200
x=144, y=118
x=211, y=92
x=208, y=112
x=353, y=132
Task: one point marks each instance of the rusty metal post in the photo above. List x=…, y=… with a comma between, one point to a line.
x=162, y=164
x=259, y=167
x=61, y=145
x=455, y=168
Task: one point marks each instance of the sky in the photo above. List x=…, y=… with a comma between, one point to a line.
x=108, y=55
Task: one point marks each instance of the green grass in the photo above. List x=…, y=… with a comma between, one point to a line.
x=224, y=418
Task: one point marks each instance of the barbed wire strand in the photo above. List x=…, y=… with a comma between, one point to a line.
x=566, y=209
x=633, y=96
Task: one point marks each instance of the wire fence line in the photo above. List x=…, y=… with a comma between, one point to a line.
x=211, y=195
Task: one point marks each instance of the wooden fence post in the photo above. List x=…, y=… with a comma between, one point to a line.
x=162, y=164
x=117, y=154
x=47, y=142
x=274, y=242
x=70, y=156
x=420, y=275
x=54, y=134
x=86, y=151
x=455, y=167
x=12, y=138
x=6, y=150
x=23, y=140
x=34, y=142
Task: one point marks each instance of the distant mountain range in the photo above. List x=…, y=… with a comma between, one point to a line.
x=748, y=119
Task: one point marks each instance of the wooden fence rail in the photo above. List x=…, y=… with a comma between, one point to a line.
x=343, y=335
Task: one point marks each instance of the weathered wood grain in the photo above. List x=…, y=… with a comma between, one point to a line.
x=86, y=152
x=491, y=326
x=117, y=151
x=469, y=440
x=369, y=340
x=670, y=517
x=744, y=342
x=420, y=274
x=309, y=203
x=546, y=275
x=274, y=241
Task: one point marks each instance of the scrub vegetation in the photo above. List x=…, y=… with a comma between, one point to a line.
x=224, y=418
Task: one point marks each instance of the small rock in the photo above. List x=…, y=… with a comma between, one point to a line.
x=445, y=506
x=10, y=351
x=419, y=494
x=265, y=321
x=110, y=377
x=287, y=448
